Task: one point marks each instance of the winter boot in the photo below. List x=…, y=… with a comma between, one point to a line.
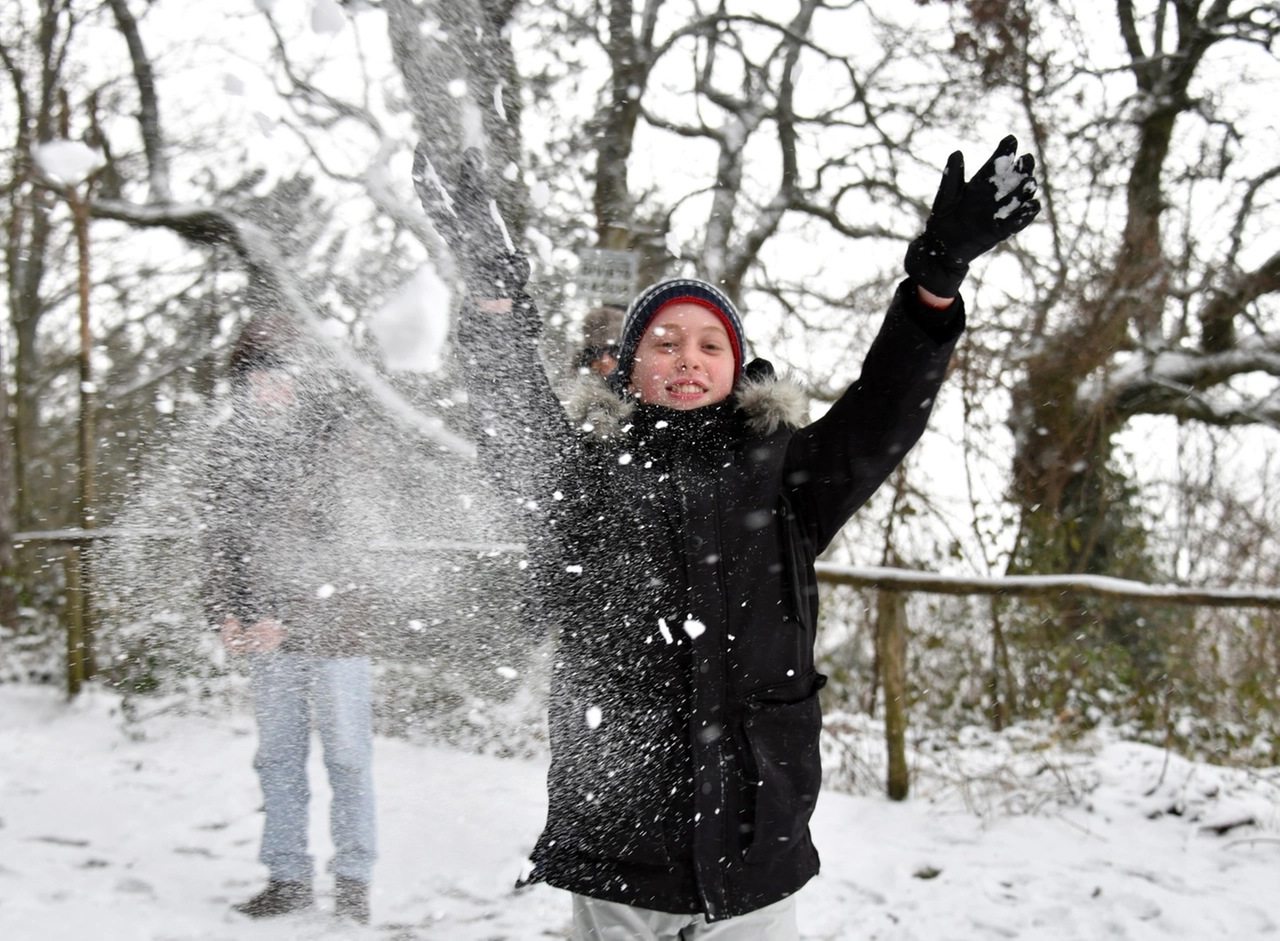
x=278, y=898
x=351, y=899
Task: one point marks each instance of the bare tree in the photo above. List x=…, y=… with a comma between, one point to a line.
x=34, y=49
x=1166, y=322
x=1149, y=291
x=1123, y=302
x=744, y=105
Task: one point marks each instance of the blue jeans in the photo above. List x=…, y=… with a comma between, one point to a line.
x=286, y=689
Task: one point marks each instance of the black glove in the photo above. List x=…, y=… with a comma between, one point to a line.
x=467, y=219
x=971, y=218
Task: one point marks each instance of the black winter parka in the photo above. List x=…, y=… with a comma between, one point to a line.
x=674, y=553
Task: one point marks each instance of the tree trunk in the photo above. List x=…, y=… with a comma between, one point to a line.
x=1004, y=701
x=1061, y=457
x=26, y=303
x=612, y=200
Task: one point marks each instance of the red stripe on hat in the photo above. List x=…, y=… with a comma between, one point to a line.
x=728, y=324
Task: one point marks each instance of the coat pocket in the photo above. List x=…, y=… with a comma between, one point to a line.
x=787, y=767
x=609, y=785
x=622, y=840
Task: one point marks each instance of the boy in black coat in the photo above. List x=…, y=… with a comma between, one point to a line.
x=677, y=512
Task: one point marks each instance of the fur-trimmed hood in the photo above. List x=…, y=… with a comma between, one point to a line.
x=769, y=403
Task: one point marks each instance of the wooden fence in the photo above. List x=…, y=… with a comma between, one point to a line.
x=892, y=584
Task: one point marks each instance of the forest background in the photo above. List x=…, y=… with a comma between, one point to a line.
x=1112, y=410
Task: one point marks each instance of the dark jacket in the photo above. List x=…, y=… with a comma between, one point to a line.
x=287, y=512
x=675, y=552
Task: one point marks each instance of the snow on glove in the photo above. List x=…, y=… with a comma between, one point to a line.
x=467, y=218
x=971, y=218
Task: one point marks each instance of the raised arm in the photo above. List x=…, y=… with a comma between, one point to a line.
x=838, y=462
x=520, y=430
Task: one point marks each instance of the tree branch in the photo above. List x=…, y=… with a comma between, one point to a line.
x=205, y=226
x=148, y=103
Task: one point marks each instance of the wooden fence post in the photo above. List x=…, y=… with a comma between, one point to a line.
x=891, y=649
x=77, y=648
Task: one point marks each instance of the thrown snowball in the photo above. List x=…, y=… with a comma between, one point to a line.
x=67, y=161
x=327, y=17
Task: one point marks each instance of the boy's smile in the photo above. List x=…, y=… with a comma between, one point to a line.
x=685, y=359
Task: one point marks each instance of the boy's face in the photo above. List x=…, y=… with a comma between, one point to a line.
x=684, y=360
x=272, y=391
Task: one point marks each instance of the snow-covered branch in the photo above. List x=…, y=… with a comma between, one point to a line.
x=1180, y=382
x=210, y=226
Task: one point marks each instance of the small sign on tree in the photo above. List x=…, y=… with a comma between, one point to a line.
x=606, y=275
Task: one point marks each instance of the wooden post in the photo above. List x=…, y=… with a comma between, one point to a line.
x=1004, y=702
x=88, y=443
x=891, y=648
x=76, y=649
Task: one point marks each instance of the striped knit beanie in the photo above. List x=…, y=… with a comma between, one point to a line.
x=663, y=294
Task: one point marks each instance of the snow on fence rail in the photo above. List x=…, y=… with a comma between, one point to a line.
x=857, y=576
x=892, y=579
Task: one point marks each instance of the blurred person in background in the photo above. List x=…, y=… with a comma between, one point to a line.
x=278, y=591
x=601, y=334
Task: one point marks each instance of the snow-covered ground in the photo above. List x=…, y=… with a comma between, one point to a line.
x=149, y=830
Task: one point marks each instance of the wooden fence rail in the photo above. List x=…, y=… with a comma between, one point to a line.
x=857, y=576
x=891, y=583
x=909, y=580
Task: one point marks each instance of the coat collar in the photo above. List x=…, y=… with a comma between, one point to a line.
x=768, y=404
